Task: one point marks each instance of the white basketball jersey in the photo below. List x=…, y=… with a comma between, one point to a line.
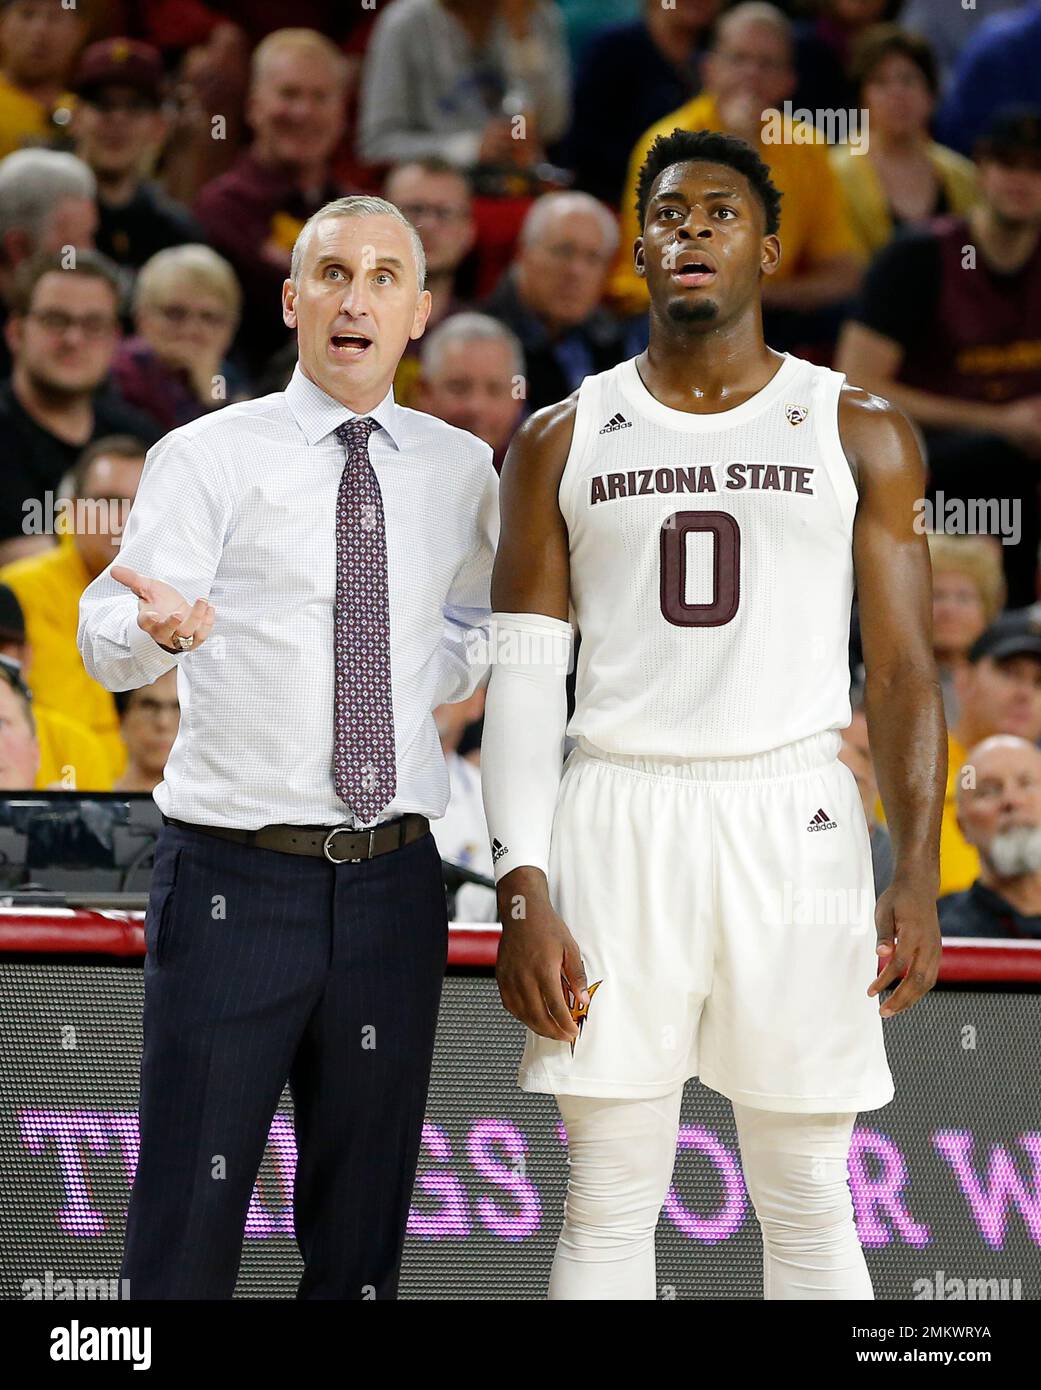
x=711, y=567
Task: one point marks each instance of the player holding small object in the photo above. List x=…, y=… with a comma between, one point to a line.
x=700, y=514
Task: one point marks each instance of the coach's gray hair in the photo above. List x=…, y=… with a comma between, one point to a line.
x=33, y=181
x=358, y=205
x=468, y=327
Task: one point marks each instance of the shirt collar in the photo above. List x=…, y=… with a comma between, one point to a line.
x=318, y=414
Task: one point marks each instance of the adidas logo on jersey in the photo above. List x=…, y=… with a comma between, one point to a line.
x=498, y=850
x=617, y=422
x=821, y=822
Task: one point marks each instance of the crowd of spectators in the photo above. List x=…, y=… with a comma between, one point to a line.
x=159, y=157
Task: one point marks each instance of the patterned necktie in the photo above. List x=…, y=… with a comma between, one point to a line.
x=364, y=768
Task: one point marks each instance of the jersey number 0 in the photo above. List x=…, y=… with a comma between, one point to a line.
x=726, y=569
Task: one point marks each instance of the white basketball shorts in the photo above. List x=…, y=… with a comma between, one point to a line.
x=724, y=909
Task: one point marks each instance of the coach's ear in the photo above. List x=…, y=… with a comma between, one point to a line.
x=639, y=261
x=289, y=303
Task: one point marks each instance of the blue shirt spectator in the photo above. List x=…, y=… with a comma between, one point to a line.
x=1001, y=66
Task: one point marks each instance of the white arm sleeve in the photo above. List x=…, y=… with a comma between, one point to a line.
x=522, y=747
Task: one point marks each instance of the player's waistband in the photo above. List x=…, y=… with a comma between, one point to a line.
x=803, y=755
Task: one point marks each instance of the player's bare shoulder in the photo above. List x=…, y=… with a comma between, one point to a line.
x=538, y=454
x=531, y=562
x=878, y=439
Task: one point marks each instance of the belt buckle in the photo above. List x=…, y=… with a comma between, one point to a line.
x=347, y=830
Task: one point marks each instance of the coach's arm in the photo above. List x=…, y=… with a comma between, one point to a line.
x=162, y=576
x=467, y=611
x=902, y=698
x=524, y=720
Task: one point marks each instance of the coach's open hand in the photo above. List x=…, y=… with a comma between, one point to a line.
x=162, y=611
x=535, y=952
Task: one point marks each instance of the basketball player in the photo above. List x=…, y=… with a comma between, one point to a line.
x=693, y=895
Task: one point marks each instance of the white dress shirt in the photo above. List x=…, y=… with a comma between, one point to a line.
x=239, y=508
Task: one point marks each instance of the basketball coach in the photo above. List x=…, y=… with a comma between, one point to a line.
x=313, y=563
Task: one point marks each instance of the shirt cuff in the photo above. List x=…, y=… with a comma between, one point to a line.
x=147, y=655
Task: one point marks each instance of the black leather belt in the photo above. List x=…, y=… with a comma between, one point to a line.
x=340, y=844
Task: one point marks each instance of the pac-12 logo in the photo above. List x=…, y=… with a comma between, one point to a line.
x=796, y=414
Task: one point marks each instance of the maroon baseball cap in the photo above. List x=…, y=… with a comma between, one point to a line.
x=120, y=63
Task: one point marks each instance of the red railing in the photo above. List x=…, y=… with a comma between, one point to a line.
x=68, y=931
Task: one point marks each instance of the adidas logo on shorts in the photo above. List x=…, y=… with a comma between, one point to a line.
x=821, y=822
x=498, y=850
x=617, y=422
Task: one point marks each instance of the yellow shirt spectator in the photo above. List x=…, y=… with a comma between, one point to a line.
x=70, y=755
x=49, y=586
x=866, y=200
x=406, y=380
x=814, y=220
x=959, y=861
x=23, y=120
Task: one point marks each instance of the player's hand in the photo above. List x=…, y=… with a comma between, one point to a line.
x=162, y=612
x=537, y=954
x=909, y=945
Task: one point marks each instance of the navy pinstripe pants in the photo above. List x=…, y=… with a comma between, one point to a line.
x=261, y=967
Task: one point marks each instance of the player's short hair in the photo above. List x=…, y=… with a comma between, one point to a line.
x=709, y=147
